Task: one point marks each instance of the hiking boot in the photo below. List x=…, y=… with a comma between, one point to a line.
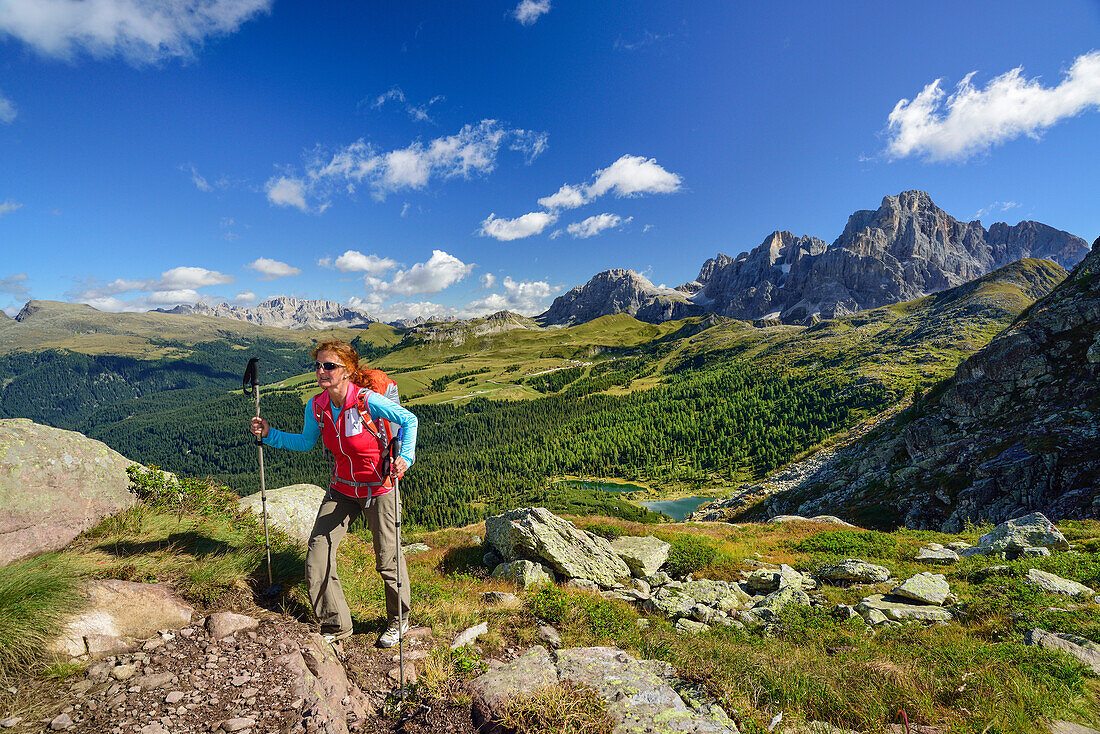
x=389, y=638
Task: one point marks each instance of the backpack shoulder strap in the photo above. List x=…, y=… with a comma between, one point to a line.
x=320, y=404
x=364, y=411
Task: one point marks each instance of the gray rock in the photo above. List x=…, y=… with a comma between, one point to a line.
x=829, y=519
x=1022, y=532
x=415, y=548
x=123, y=672
x=768, y=580
x=223, y=624
x=1034, y=552
x=1052, y=584
x=900, y=611
x=490, y=692
x=670, y=602
x=924, y=588
x=491, y=559
x=637, y=698
x=550, y=636
x=292, y=508
x=643, y=555
x=776, y=601
x=469, y=635
x=1087, y=651
x=10, y=722
x=690, y=626
x=535, y=532
x=941, y=556
x=61, y=723
x=853, y=569
x=1069, y=727
x=123, y=610
x=641, y=585
x=658, y=579
x=524, y=573
x=501, y=599
x=583, y=584
x=54, y=485
x=236, y=724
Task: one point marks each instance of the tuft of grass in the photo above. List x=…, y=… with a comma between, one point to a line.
x=443, y=674
x=36, y=595
x=562, y=708
x=583, y=616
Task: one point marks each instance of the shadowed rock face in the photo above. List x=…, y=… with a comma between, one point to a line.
x=1016, y=430
x=54, y=485
x=905, y=249
x=618, y=291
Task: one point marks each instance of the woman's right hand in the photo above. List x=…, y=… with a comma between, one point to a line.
x=260, y=427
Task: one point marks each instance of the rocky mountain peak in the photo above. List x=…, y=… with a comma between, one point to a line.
x=618, y=291
x=284, y=312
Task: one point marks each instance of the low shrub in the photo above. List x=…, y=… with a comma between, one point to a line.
x=690, y=553
x=848, y=543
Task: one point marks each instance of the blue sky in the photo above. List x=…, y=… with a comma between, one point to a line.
x=414, y=158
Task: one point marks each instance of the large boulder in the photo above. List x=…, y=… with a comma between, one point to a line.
x=493, y=690
x=924, y=588
x=1087, y=651
x=1024, y=532
x=292, y=508
x=537, y=534
x=854, y=570
x=637, y=698
x=117, y=614
x=898, y=610
x=54, y=485
x=524, y=573
x=643, y=555
x=1053, y=584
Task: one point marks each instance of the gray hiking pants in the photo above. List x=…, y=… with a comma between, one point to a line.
x=325, y=593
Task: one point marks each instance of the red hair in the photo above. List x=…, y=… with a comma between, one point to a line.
x=375, y=380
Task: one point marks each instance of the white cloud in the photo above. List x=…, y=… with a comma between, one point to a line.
x=416, y=112
x=568, y=197
x=997, y=206
x=270, y=269
x=470, y=152
x=244, y=298
x=287, y=191
x=632, y=175
x=140, y=30
x=971, y=120
x=529, y=11
x=527, y=297
x=488, y=280
x=507, y=230
x=190, y=277
x=7, y=110
x=178, y=285
x=393, y=94
x=440, y=271
x=7, y=207
x=355, y=261
x=15, y=284
x=596, y=224
x=197, y=178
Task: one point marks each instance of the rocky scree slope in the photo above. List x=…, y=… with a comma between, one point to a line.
x=1014, y=430
x=905, y=249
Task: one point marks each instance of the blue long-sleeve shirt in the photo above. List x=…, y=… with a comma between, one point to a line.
x=379, y=406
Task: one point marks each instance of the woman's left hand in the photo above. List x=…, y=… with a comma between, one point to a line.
x=399, y=467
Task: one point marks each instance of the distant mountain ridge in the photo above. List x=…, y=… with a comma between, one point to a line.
x=905, y=249
x=284, y=312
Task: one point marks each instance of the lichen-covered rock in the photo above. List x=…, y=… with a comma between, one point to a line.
x=54, y=485
x=670, y=601
x=637, y=699
x=924, y=588
x=292, y=508
x=767, y=580
x=899, y=611
x=690, y=626
x=644, y=555
x=1053, y=584
x=940, y=556
x=535, y=533
x=1022, y=532
x=1087, y=651
x=491, y=691
x=524, y=573
x=770, y=606
x=853, y=569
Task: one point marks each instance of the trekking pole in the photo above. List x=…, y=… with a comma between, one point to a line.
x=252, y=387
x=395, y=448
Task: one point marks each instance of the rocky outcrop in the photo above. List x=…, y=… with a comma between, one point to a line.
x=905, y=249
x=1086, y=651
x=618, y=291
x=536, y=534
x=54, y=485
x=457, y=333
x=1014, y=431
x=638, y=697
x=282, y=311
x=292, y=508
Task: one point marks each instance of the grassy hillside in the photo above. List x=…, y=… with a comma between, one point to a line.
x=969, y=676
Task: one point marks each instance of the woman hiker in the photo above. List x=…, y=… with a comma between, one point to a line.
x=349, y=417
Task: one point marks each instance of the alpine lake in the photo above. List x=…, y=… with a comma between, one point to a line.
x=677, y=509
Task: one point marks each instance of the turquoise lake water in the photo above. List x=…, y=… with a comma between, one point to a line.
x=677, y=509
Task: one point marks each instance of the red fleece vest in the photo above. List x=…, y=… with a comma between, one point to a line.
x=355, y=445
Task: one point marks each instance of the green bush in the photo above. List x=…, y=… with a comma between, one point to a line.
x=863, y=543
x=690, y=553
x=550, y=603
x=604, y=530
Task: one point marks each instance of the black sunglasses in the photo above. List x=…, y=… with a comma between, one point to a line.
x=328, y=366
